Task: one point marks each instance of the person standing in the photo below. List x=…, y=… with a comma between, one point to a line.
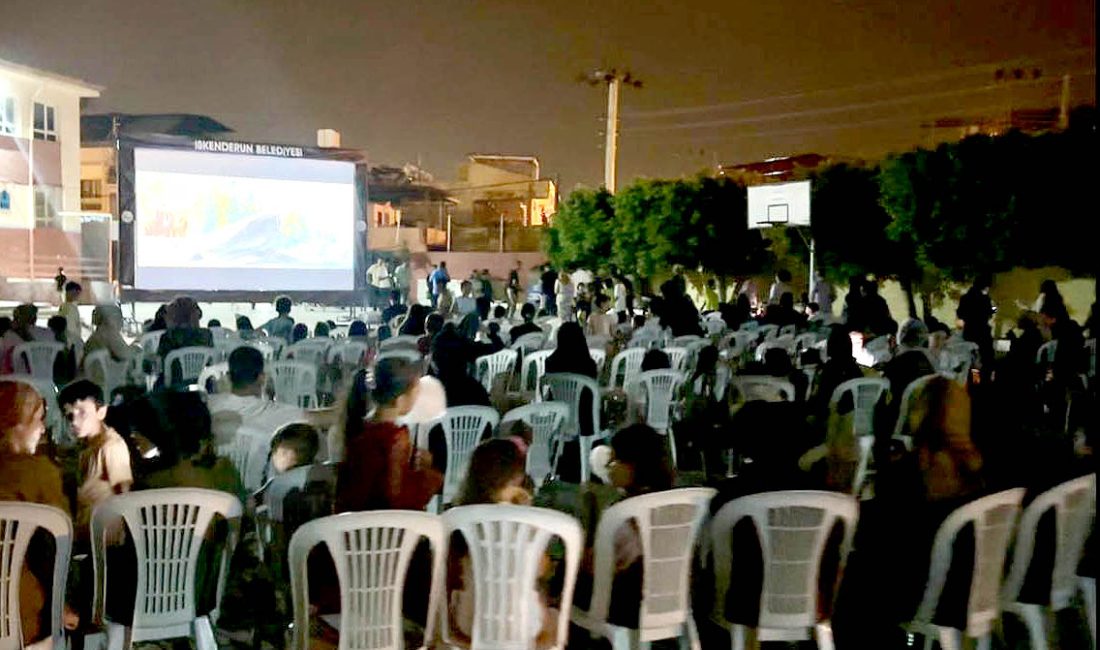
x=486, y=287
x=71, y=313
x=401, y=281
x=975, y=311
x=59, y=280
x=822, y=295
x=619, y=292
x=437, y=282
x=549, y=280
x=513, y=289
x=378, y=277
x=781, y=286
x=564, y=291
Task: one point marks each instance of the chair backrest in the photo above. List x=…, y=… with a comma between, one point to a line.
x=268, y=347
x=294, y=382
x=309, y=350
x=805, y=341
x=226, y=344
x=677, y=358
x=659, y=388
x=490, y=366
x=625, y=367
x=507, y=545
x=168, y=527
x=412, y=356
x=714, y=326
x=371, y=552
x=150, y=341
x=787, y=344
x=1046, y=352
x=793, y=528
x=993, y=518
x=463, y=427
x=546, y=420
x=667, y=524
x=534, y=367
x=789, y=330
x=1073, y=503
x=686, y=340
x=568, y=387
x=18, y=521
x=748, y=326
x=550, y=328
x=399, y=341
x=104, y=372
x=213, y=375
x=763, y=387
x=599, y=355
x=183, y=366
x=529, y=343
x=349, y=353
x=905, y=404
x=865, y=392
x=37, y=358
x=281, y=486
x=248, y=453
x=768, y=331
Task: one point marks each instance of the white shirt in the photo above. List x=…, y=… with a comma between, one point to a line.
x=231, y=414
x=777, y=291
x=620, y=296
x=379, y=276
x=465, y=305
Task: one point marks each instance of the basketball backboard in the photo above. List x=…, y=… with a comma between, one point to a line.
x=779, y=204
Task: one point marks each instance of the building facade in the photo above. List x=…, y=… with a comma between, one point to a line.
x=40, y=221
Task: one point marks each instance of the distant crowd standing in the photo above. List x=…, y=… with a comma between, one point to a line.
x=759, y=405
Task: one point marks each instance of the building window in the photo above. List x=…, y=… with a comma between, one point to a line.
x=45, y=125
x=7, y=115
x=46, y=201
x=92, y=189
x=5, y=200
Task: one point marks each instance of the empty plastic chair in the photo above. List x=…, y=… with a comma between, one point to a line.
x=18, y=522
x=792, y=528
x=659, y=389
x=150, y=341
x=294, y=382
x=599, y=355
x=507, y=547
x=546, y=420
x=371, y=552
x=569, y=388
x=534, y=367
x=168, y=527
x=668, y=525
x=104, y=372
x=182, y=367
x=37, y=358
x=491, y=366
x=1072, y=503
x=993, y=519
x=213, y=377
x=529, y=343
x=677, y=358
x=625, y=367
x=463, y=428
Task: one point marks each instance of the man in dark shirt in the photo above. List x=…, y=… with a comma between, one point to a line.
x=548, y=280
x=395, y=308
x=528, y=326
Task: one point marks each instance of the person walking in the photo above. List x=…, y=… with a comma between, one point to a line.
x=378, y=277
x=401, y=281
x=513, y=289
x=549, y=281
x=437, y=282
x=975, y=311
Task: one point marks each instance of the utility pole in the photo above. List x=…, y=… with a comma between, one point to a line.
x=614, y=80
x=1063, y=105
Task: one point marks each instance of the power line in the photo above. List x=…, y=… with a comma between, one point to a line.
x=844, y=108
x=914, y=79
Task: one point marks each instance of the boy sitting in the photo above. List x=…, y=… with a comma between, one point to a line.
x=295, y=445
x=105, y=459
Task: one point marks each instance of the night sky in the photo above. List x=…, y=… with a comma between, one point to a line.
x=436, y=80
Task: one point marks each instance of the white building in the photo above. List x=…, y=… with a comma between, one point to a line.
x=39, y=131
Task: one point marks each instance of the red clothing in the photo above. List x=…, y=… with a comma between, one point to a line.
x=378, y=472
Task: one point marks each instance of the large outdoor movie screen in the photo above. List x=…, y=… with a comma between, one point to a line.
x=222, y=222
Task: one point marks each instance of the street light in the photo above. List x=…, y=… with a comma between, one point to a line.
x=614, y=79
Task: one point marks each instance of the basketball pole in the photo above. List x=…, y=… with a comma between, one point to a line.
x=813, y=277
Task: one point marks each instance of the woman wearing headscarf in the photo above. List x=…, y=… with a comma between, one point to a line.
x=107, y=321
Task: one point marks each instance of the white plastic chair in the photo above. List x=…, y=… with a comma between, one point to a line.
x=668, y=525
x=768, y=331
x=866, y=393
x=529, y=343
x=901, y=431
x=348, y=353
x=763, y=387
x=463, y=427
x=599, y=355
x=399, y=341
x=793, y=528
x=994, y=519
x=686, y=340
x=294, y=382
x=168, y=527
x=568, y=388
x=491, y=366
x=190, y=361
x=212, y=376
x=659, y=389
x=627, y=363
x=36, y=358
x=1073, y=503
x=534, y=367
x=371, y=552
x=677, y=358
x=150, y=341
x=269, y=348
x=225, y=346
x=412, y=356
x=103, y=372
x=507, y=545
x=18, y=522
x=714, y=326
x=310, y=350
x=643, y=340
x=787, y=344
x=248, y=453
x=788, y=330
x=546, y=420
x=1045, y=354
x=805, y=341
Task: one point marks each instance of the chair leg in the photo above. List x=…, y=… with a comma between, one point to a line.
x=119, y=637
x=737, y=637
x=204, y=634
x=1032, y=616
x=951, y=639
x=1088, y=594
x=672, y=447
x=689, y=640
x=823, y=633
